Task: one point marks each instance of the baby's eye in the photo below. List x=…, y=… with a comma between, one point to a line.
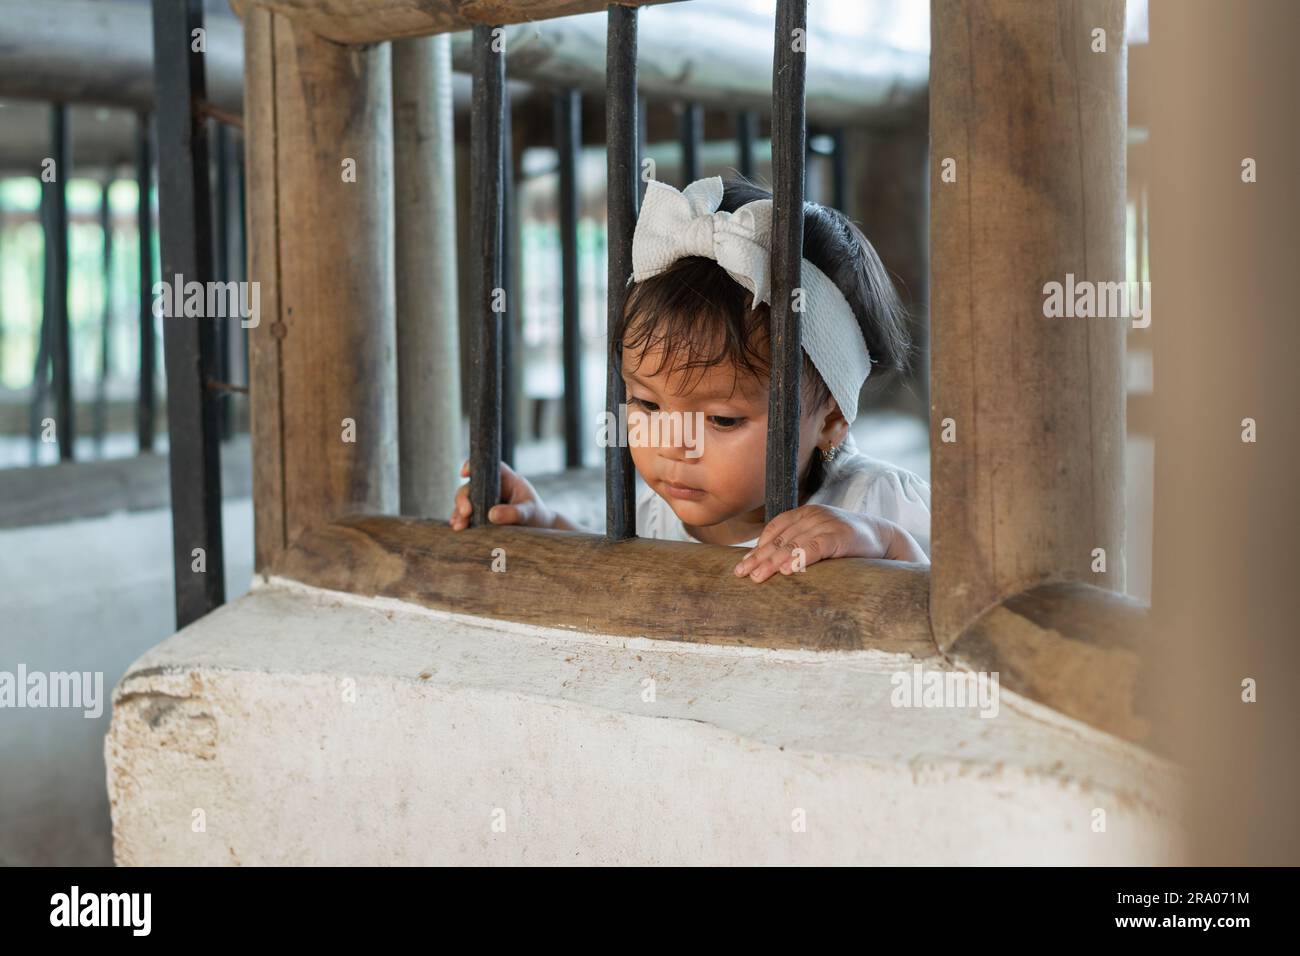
x=647, y=406
x=724, y=422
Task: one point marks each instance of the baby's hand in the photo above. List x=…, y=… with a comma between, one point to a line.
x=824, y=532
x=520, y=503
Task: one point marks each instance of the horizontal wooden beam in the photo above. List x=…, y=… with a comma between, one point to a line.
x=1071, y=646
x=667, y=590
x=373, y=21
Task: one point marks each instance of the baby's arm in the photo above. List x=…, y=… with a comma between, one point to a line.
x=822, y=532
x=520, y=504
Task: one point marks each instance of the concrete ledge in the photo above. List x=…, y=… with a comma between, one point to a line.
x=303, y=726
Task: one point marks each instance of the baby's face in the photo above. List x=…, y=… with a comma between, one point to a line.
x=712, y=470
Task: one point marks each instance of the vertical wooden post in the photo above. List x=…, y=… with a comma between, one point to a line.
x=789, y=72
x=318, y=119
x=1027, y=415
x=889, y=193
x=1225, y=222
x=428, y=339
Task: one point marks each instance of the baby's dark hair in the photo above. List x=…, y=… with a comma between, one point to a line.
x=701, y=317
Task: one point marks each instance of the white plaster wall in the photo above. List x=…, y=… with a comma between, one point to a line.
x=86, y=595
x=458, y=723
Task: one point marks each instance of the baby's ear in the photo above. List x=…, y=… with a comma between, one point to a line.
x=834, y=426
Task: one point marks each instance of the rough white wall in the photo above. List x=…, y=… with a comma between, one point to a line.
x=470, y=741
x=86, y=595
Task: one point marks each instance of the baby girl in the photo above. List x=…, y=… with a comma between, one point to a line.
x=693, y=341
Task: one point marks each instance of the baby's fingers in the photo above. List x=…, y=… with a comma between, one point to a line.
x=461, y=509
x=798, y=542
x=512, y=514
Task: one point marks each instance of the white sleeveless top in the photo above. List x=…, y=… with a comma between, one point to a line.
x=853, y=481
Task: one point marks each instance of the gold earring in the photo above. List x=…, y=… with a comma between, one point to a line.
x=828, y=454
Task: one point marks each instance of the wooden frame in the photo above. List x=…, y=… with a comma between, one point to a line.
x=1024, y=496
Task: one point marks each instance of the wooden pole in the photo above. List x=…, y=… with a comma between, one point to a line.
x=1224, y=215
x=1027, y=416
x=320, y=211
x=428, y=337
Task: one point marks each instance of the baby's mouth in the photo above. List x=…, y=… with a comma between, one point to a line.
x=683, y=492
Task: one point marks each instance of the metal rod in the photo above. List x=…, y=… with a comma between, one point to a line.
x=241, y=249
x=788, y=135
x=189, y=343
x=221, y=264
x=41, y=369
x=746, y=124
x=509, y=317
x=56, y=249
x=568, y=136
x=622, y=176
x=642, y=144
x=2, y=319
x=487, y=184
x=144, y=227
x=106, y=319
x=692, y=135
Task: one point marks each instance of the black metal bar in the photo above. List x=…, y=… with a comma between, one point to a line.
x=788, y=135
x=487, y=185
x=106, y=319
x=622, y=178
x=221, y=264
x=839, y=171
x=692, y=136
x=189, y=343
x=746, y=123
x=568, y=137
x=144, y=227
x=41, y=368
x=241, y=248
x=56, y=248
x=510, y=317
x=3, y=337
x=642, y=146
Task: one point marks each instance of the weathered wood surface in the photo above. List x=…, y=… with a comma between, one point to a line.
x=373, y=21
x=1033, y=481
x=321, y=248
x=637, y=587
x=1073, y=647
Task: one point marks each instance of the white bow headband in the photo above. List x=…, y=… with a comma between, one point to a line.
x=673, y=225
